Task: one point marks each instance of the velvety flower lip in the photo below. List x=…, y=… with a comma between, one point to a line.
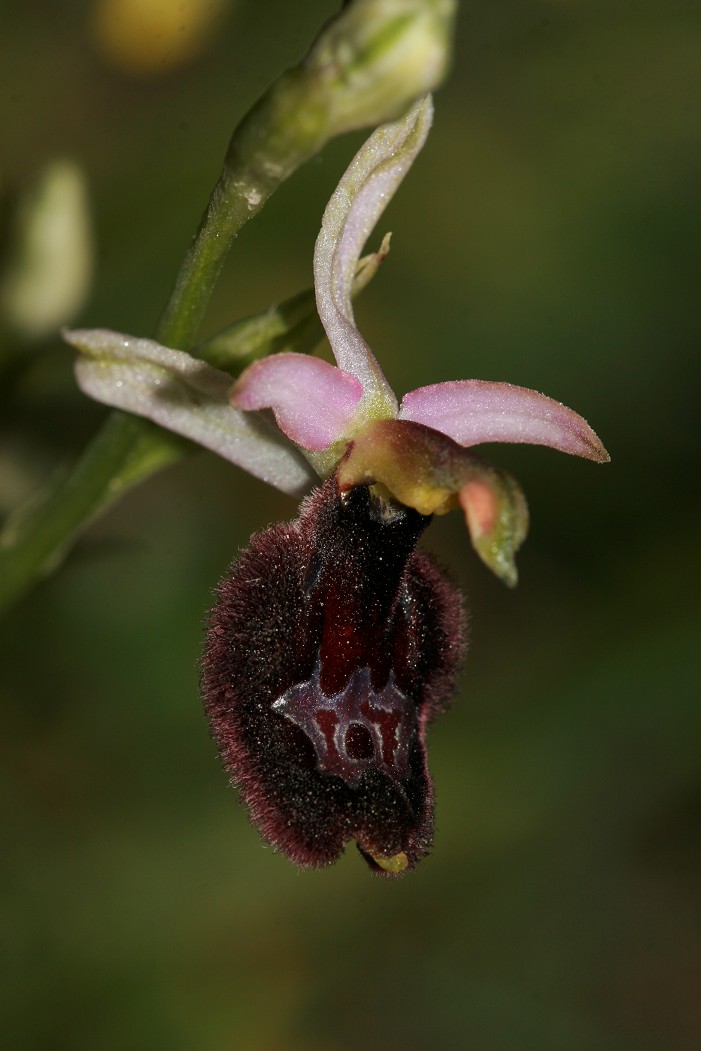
x=332, y=645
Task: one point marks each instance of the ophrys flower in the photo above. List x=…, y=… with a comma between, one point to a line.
x=334, y=642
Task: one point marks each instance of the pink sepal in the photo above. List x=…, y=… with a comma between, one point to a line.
x=475, y=411
x=313, y=401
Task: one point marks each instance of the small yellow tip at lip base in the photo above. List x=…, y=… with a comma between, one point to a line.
x=395, y=864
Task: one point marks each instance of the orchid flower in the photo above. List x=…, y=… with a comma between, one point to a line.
x=334, y=641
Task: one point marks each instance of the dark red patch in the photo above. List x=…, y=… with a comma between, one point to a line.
x=332, y=644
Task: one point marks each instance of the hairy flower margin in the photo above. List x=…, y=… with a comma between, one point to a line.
x=334, y=642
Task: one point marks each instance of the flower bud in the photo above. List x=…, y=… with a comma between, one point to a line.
x=378, y=56
x=365, y=68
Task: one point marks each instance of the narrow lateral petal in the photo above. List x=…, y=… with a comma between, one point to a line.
x=475, y=411
x=186, y=396
x=358, y=202
x=496, y=514
x=313, y=401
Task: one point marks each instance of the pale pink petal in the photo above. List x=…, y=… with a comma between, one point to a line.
x=475, y=411
x=313, y=401
x=358, y=202
x=186, y=396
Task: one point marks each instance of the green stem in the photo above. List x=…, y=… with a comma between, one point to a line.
x=35, y=539
x=282, y=131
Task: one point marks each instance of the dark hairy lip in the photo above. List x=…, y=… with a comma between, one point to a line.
x=332, y=644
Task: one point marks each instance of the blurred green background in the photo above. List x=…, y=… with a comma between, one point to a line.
x=549, y=235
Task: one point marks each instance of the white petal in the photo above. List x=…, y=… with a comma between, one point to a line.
x=188, y=397
x=358, y=202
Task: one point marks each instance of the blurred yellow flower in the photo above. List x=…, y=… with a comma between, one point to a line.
x=148, y=37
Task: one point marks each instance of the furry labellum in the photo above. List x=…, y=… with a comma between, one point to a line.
x=332, y=645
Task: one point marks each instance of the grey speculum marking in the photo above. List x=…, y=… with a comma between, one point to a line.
x=356, y=730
